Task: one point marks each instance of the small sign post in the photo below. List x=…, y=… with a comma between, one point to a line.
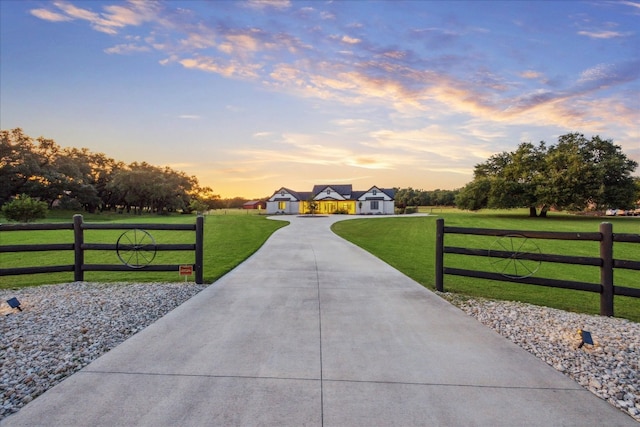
x=186, y=270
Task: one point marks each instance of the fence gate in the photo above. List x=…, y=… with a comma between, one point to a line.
x=135, y=248
x=515, y=259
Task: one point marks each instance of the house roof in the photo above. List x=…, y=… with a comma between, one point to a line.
x=391, y=192
x=343, y=189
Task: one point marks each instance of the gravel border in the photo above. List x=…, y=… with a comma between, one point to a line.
x=65, y=327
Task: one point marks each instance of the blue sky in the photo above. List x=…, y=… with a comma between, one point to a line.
x=251, y=96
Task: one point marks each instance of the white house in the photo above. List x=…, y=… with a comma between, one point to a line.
x=330, y=199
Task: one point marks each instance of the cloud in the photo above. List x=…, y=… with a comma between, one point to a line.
x=350, y=40
x=115, y=16
x=609, y=74
x=268, y=4
x=48, y=15
x=434, y=141
x=312, y=150
x=530, y=74
x=226, y=68
x=123, y=49
x=603, y=34
x=262, y=134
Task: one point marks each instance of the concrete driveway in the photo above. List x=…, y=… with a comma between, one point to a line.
x=313, y=331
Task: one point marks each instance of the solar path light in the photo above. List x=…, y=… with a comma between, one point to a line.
x=586, y=338
x=14, y=303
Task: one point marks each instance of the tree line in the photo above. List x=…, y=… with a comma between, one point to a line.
x=574, y=174
x=410, y=197
x=72, y=178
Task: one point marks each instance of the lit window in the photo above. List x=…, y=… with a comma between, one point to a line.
x=282, y=205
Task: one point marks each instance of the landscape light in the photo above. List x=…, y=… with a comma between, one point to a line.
x=14, y=303
x=586, y=338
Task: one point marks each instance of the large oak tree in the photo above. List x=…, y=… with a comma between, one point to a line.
x=573, y=174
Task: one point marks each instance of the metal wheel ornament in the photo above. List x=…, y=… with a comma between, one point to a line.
x=136, y=248
x=509, y=256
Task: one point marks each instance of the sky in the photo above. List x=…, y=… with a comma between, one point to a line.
x=252, y=96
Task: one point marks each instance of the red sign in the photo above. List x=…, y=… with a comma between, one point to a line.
x=186, y=270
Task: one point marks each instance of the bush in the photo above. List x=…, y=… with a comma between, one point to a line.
x=410, y=209
x=24, y=209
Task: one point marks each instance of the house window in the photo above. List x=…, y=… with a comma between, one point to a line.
x=374, y=205
x=328, y=191
x=375, y=192
x=282, y=205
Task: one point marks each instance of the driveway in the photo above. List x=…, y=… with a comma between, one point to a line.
x=313, y=331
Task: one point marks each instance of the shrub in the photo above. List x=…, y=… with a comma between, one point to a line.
x=24, y=209
x=410, y=209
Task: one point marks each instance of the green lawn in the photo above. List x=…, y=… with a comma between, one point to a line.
x=229, y=240
x=408, y=244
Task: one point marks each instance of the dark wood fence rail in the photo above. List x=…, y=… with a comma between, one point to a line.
x=605, y=262
x=79, y=247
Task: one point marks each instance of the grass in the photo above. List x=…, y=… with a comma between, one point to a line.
x=408, y=244
x=228, y=240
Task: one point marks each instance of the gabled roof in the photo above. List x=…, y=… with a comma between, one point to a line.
x=391, y=192
x=286, y=190
x=343, y=190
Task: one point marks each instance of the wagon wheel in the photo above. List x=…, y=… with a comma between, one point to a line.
x=136, y=248
x=509, y=256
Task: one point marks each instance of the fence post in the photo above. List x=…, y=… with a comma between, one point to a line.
x=440, y=255
x=606, y=269
x=199, y=249
x=78, y=241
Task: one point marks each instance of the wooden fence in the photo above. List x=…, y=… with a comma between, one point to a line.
x=136, y=250
x=605, y=261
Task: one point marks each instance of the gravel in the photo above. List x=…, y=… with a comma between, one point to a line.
x=62, y=328
x=65, y=327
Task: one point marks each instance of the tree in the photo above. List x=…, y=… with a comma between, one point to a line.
x=573, y=174
x=24, y=209
x=475, y=195
x=18, y=163
x=202, y=199
x=409, y=197
x=613, y=171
